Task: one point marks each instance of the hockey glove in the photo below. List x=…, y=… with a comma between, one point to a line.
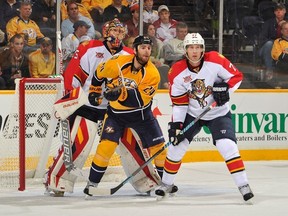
x=221, y=93
x=113, y=93
x=174, y=129
x=94, y=97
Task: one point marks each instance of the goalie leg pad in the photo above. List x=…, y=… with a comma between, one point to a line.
x=83, y=133
x=133, y=155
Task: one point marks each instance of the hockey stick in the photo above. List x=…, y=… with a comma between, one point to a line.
x=111, y=191
x=67, y=152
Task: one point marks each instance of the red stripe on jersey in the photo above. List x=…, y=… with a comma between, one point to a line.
x=171, y=166
x=180, y=100
x=235, y=165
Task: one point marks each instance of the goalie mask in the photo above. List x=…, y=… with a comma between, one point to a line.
x=114, y=32
x=194, y=39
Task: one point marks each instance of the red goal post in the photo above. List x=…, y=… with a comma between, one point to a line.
x=48, y=85
x=31, y=132
x=31, y=136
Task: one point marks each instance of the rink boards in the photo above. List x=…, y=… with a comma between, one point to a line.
x=260, y=118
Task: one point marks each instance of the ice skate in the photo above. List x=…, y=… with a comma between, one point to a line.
x=89, y=184
x=53, y=193
x=246, y=192
x=165, y=189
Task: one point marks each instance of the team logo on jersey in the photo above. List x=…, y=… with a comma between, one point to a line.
x=99, y=55
x=200, y=92
x=109, y=130
x=187, y=79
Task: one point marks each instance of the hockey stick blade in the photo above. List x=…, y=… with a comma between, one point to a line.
x=111, y=191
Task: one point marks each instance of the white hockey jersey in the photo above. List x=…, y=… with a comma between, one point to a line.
x=85, y=60
x=191, y=92
x=70, y=44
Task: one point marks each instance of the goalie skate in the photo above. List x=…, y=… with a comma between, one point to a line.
x=246, y=192
x=164, y=190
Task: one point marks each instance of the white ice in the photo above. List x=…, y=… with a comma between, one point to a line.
x=205, y=189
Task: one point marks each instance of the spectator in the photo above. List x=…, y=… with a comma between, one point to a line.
x=116, y=10
x=44, y=14
x=71, y=42
x=23, y=24
x=73, y=16
x=163, y=69
x=82, y=9
x=149, y=15
x=42, y=61
x=280, y=50
x=2, y=37
x=165, y=26
x=96, y=8
x=173, y=50
x=13, y=63
x=133, y=24
x=129, y=42
x=8, y=10
x=270, y=31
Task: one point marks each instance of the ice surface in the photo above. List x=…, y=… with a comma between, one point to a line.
x=205, y=189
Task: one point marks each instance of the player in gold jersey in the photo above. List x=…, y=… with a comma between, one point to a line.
x=136, y=79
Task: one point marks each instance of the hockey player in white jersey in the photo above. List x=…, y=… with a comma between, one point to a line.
x=195, y=83
x=84, y=121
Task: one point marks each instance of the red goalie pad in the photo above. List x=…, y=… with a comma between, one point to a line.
x=133, y=155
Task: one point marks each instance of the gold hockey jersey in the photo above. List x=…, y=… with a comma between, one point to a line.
x=140, y=85
x=18, y=26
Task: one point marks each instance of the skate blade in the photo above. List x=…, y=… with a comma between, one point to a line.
x=166, y=197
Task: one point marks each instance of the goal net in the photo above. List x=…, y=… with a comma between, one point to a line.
x=31, y=136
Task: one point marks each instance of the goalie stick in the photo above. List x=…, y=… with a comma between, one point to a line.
x=68, y=159
x=66, y=136
x=111, y=191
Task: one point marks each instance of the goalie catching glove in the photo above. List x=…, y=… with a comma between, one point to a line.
x=221, y=93
x=174, y=129
x=95, y=97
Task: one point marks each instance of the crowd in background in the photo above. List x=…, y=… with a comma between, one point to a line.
x=81, y=21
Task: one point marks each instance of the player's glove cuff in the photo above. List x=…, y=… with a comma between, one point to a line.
x=221, y=93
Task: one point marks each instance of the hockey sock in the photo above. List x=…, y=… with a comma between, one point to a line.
x=96, y=173
x=170, y=170
x=160, y=171
x=233, y=160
